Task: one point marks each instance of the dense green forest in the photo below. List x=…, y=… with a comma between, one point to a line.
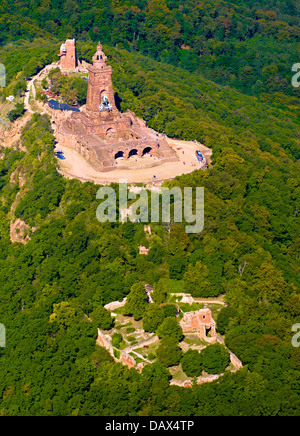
x=248, y=45
x=72, y=265
x=52, y=288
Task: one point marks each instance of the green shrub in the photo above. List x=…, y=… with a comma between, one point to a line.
x=116, y=340
x=16, y=113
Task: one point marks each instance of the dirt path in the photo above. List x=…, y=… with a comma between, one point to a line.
x=218, y=300
x=12, y=136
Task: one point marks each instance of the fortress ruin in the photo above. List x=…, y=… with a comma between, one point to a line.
x=68, y=56
x=199, y=321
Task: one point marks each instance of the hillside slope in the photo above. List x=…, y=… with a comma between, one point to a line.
x=52, y=286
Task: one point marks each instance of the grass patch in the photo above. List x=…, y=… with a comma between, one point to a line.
x=177, y=373
x=186, y=307
x=134, y=342
x=194, y=341
x=122, y=345
x=117, y=353
x=120, y=326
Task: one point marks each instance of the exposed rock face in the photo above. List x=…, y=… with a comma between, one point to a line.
x=143, y=250
x=11, y=137
x=18, y=231
x=235, y=361
x=115, y=304
x=104, y=342
x=18, y=175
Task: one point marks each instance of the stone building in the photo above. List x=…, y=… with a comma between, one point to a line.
x=101, y=133
x=68, y=55
x=200, y=321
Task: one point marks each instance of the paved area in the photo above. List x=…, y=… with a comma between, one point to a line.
x=75, y=166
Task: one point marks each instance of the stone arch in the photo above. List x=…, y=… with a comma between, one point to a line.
x=208, y=330
x=119, y=154
x=102, y=92
x=133, y=152
x=110, y=132
x=146, y=150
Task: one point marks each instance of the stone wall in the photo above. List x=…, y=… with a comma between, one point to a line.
x=68, y=56
x=199, y=321
x=200, y=380
x=126, y=359
x=235, y=361
x=115, y=304
x=207, y=378
x=141, y=344
x=104, y=342
x=181, y=383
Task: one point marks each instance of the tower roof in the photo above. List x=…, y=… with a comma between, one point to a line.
x=99, y=58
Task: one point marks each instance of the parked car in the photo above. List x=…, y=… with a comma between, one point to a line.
x=60, y=156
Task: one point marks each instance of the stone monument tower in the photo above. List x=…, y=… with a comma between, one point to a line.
x=100, y=97
x=102, y=133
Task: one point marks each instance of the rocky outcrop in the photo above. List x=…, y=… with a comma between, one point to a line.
x=19, y=231
x=11, y=137
x=19, y=175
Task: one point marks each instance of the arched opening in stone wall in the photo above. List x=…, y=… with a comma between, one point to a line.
x=146, y=151
x=207, y=331
x=110, y=133
x=133, y=152
x=119, y=154
x=103, y=92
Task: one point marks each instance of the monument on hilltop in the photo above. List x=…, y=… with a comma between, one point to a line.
x=100, y=86
x=101, y=133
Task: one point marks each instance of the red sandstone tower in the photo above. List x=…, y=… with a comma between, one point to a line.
x=100, y=89
x=99, y=131
x=68, y=56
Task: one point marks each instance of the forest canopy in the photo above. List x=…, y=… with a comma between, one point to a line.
x=168, y=60
x=247, y=45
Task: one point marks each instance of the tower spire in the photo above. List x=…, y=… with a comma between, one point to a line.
x=99, y=58
x=100, y=96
